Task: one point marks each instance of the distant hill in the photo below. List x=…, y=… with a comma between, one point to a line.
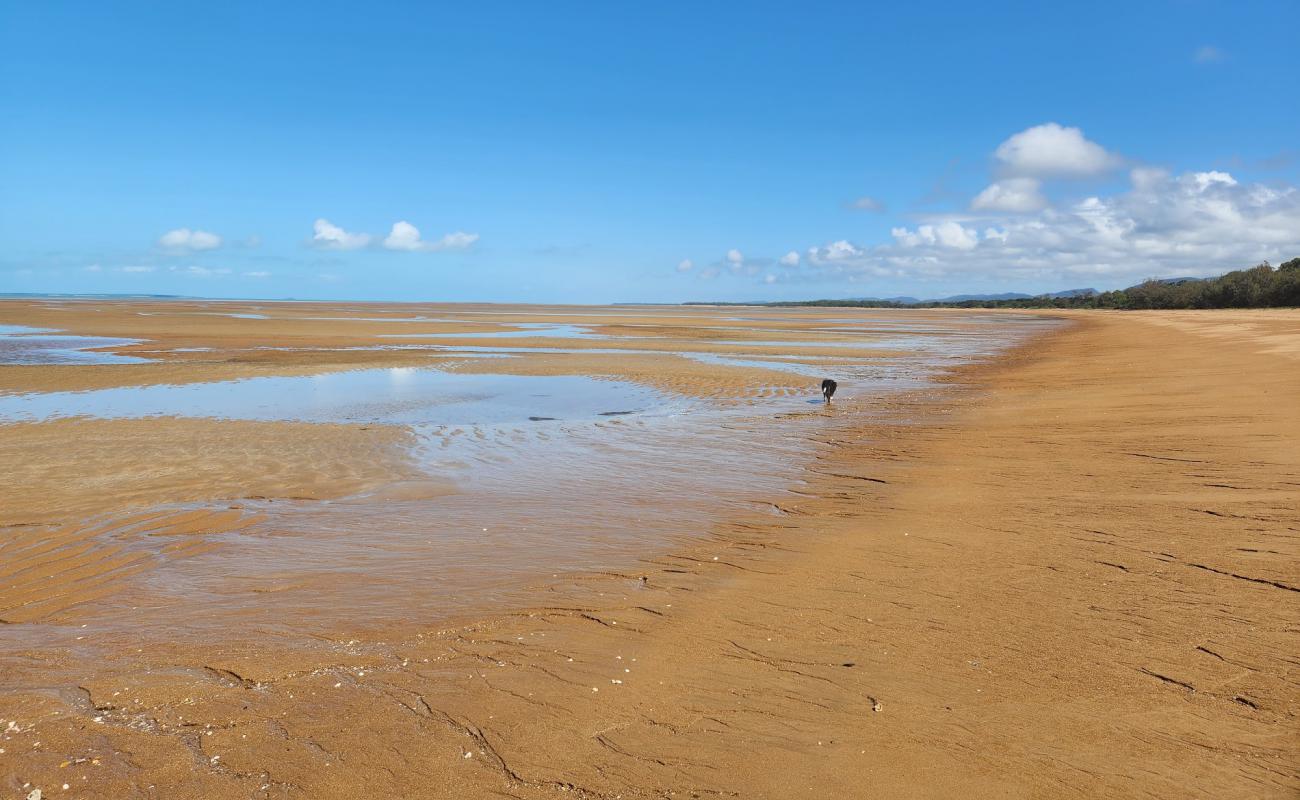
x=1262, y=286
x=902, y=300
x=1074, y=293
x=906, y=300
x=962, y=298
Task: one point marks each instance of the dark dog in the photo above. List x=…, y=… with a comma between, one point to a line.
x=828, y=389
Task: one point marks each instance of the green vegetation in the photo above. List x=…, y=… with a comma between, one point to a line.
x=1258, y=287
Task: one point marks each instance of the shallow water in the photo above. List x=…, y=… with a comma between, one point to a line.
x=398, y=395
x=530, y=501
x=534, y=475
x=20, y=344
x=523, y=330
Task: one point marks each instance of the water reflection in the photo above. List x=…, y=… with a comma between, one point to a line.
x=20, y=344
x=399, y=396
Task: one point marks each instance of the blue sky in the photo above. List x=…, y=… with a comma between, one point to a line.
x=600, y=152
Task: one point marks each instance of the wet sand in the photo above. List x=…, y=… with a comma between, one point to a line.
x=290, y=451
x=1066, y=573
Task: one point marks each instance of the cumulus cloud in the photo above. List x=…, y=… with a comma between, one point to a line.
x=1045, y=151
x=1011, y=194
x=842, y=250
x=1051, y=150
x=329, y=236
x=865, y=203
x=947, y=234
x=685, y=265
x=256, y=274
x=1204, y=180
x=186, y=239
x=1163, y=225
x=405, y=236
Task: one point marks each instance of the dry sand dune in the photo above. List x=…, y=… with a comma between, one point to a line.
x=1067, y=573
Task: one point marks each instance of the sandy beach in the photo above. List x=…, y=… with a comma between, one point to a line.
x=1064, y=566
x=668, y=401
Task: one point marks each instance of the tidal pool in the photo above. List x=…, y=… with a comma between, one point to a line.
x=20, y=344
x=518, y=477
x=523, y=330
x=398, y=395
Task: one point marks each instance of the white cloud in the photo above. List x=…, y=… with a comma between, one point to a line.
x=186, y=239
x=1197, y=223
x=137, y=269
x=456, y=241
x=844, y=259
x=947, y=234
x=200, y=272
x=405, y=236
x=1204, y=180
x=1208, y=54
x=329, y=236
x=94, y=268
x=865, y=203
x=790, y=259
x=1052, y=150
x=257, y=274
x=1010, y=194
x=835, y=251
x=685, y=265
x=769, y=278
x=734, y=256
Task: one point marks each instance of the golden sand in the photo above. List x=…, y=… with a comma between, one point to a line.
x=1071, y=573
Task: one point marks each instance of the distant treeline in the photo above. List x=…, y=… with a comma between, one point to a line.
x=1258, y=287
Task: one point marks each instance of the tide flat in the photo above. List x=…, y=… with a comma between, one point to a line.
x=377, y=598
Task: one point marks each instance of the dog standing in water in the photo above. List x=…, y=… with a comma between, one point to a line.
x=828, y=389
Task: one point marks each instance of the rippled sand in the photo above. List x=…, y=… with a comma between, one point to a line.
x=355, y=462
x=942, y=583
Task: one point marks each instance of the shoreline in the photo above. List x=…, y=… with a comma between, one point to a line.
x=984, y=601
x=110, y=514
